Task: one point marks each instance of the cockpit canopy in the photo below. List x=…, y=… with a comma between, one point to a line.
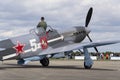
x=41, y=30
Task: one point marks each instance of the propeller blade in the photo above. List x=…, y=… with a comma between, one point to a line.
x=96, y=49
x=88, y=17
x=92, y=41
x=89, y=38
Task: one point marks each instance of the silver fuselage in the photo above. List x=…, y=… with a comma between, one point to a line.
x=32, y=44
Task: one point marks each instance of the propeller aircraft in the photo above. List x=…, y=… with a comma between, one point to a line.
x=38, y=44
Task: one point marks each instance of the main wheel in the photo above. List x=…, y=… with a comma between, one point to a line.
x=20, y=62
x=44, y=62
x=87, y=67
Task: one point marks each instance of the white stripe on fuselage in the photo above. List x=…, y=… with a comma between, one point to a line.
x=29, y=50
x=56, y=39
x=9, y=56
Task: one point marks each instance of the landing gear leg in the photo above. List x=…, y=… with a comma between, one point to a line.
x=87, y=60
x=44, y=61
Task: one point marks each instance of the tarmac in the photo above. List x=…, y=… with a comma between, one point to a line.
x=60, y=70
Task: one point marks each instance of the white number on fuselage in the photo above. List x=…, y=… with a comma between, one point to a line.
x=33, y=44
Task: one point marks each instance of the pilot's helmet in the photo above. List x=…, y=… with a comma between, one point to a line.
x=42, y=18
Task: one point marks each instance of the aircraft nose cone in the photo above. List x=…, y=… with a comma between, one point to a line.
x=87, y=30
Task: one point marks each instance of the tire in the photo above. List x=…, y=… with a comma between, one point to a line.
x=20, y=62
x=87, y=67
x=44, y=62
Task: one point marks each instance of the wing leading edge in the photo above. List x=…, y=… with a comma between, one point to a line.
x=76, y=46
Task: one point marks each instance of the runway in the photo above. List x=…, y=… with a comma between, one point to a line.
x=60, y=70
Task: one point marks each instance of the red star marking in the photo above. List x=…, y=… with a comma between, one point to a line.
x=44, y=43
x=19, y=48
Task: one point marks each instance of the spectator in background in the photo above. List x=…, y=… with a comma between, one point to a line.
x=107, y=56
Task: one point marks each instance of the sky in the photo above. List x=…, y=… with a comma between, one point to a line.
x=17, y=17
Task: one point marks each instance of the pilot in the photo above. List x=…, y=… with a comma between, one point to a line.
x=42, y=24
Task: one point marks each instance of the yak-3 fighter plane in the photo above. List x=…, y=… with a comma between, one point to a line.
x=38, y=44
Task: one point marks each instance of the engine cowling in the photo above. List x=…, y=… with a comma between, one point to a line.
x=77, y=34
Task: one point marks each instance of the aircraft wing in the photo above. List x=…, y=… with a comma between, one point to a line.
x=75, y=46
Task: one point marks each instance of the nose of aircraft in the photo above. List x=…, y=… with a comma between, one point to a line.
x=87, y=30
